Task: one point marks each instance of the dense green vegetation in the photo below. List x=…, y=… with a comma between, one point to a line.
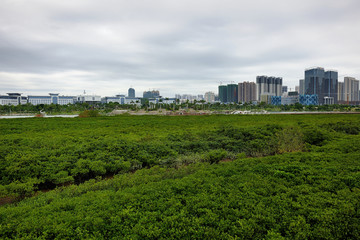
x=45, y=153
x=294, y=177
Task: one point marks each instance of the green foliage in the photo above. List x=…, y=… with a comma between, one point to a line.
x=54, y=152
x=168, y=185
x=290, y=139
x=344, y=127
x=315, y=135
x=89, y=113
x=294, y=196
x=214, y=156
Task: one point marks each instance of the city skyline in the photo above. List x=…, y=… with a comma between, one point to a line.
x=106, y=47
x=300, y=88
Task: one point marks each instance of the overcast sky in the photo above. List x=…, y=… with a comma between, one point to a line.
x=187, y=46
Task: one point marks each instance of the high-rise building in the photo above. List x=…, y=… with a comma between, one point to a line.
x=302, y=86
x=268, y=86
x=341, y=91
x=247, y=92
x=313, y=81
x=297, y=89
x=223, y=93
x=131, y=93
x=324, y=84
x=330, y=87
x=284, y=89
x=232, y=93
x=351, y=87
x=151, y=94
x=210, y=97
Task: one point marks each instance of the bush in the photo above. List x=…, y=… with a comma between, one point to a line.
x=352, y=128
x=89, y=113
x=316, y=136
x=215, y=156
x=290, y=139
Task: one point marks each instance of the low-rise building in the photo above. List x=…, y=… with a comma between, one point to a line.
x=168, y=100
x=136, y=101
x=275, y=100
x=91, y=99
x=266, y=97
x=53, y=98
x=328, y=100
x=13, y=99
x=117, y=99
x=290, y=98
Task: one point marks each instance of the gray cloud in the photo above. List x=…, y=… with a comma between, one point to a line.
x=174, y=46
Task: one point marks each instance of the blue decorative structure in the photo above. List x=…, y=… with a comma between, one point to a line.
x=309, y=99
x=275, y=100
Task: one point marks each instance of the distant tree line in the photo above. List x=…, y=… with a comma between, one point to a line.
x=196, y=105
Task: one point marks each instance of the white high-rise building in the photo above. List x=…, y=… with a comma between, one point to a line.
x=209, y=97
x=269, y=86
x=351, y=89
x=247, y=92
x=302, y=86
x=341, y=91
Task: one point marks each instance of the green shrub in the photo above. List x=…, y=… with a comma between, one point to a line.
x=215, y=156
x=290, y=139
x=89, y=113
x=316, y=136
x=352, y=128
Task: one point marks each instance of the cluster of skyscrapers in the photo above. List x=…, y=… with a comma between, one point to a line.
x=317, y=88
x=250, y=91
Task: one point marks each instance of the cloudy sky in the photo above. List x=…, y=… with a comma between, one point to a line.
x=187, y=46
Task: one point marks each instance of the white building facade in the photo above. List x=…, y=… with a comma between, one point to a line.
x=210, y=97
x=13, y=99
x=53, y=98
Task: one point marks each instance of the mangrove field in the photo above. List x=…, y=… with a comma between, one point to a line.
x=181, y=177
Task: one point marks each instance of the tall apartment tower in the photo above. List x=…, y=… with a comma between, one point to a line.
x=151, y=94
x=232, y=93
x=268, y=86
x=209, y=97
x=324, y=84
x=330, y=85
x=247, y=92
x=223, y=93
x=341, y=91
x=351, y=87
x=131, y=93
x=302, y=86
x=313, y=80
x=284, y=89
